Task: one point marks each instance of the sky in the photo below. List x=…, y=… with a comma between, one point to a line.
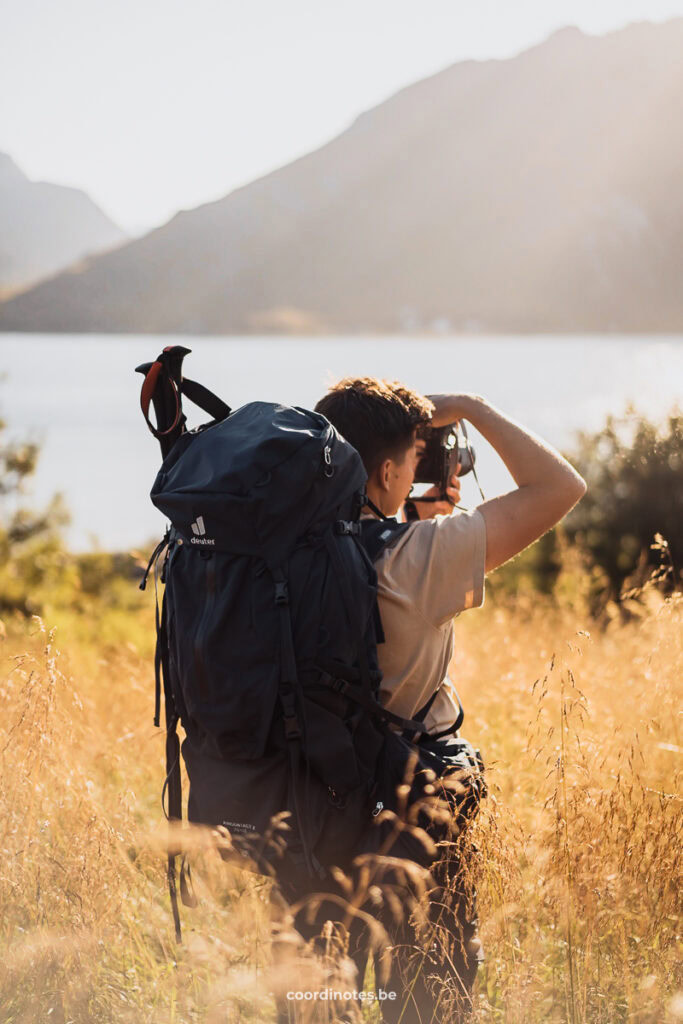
x=152, y=106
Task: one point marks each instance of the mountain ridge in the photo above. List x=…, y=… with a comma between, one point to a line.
x=46, y=228
x=536, y=193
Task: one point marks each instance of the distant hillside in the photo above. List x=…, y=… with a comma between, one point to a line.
x=45, y=228
x=540, y=193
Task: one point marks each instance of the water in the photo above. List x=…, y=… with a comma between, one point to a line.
x=77, y=395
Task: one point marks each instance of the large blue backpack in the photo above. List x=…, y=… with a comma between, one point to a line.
x=268, y=632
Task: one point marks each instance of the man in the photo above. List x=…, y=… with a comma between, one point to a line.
x=435, y=570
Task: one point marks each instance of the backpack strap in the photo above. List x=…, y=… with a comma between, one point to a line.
x=449, y=730
x=376, y=534
x=290, y=698
x=361, y=696
x=420, y=717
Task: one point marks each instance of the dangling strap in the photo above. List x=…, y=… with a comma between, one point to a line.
x=173, y=786
x=172, y=783
x=155, y=554
x=159, y=618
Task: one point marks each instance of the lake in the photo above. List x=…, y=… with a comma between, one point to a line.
x=77, y=395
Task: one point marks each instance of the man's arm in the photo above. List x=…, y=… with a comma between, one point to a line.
x=547, y=486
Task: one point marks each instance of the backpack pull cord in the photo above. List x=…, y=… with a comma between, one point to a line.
x=288, y=691
x=159, y=620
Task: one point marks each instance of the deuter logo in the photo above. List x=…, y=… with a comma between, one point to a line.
x=198, y=527
x=199, y=531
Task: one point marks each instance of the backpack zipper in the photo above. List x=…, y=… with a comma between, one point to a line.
x=327, y=459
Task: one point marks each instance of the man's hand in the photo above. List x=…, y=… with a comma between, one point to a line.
x=450, y=408
x=429, y=509
x=547, y=486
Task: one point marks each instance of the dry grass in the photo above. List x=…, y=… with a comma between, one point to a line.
x=578, y=863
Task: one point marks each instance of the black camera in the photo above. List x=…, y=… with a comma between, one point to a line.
x=445, y=449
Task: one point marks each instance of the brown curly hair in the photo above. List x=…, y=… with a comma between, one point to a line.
x=378, y=417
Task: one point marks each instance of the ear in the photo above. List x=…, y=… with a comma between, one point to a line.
x=384, y=474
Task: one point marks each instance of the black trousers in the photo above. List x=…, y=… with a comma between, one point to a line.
x=434, y=949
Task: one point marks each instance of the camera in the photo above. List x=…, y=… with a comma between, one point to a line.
x=445, y=449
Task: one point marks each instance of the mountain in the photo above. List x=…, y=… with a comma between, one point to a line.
x=45, y=228
x=539, y=193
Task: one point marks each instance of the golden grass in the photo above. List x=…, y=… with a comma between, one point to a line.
x=578, y=862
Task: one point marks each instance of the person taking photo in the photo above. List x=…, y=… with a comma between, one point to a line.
x=428, y=575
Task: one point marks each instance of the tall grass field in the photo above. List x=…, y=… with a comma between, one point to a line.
x=576, y=856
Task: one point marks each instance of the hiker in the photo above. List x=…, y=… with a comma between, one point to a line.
x=431, y=573
x=301, y=696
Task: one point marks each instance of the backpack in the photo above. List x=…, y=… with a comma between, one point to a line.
x=267, y=635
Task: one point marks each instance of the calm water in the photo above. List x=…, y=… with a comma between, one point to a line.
x=78, y=396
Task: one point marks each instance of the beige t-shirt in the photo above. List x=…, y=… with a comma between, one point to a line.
x=428, y=575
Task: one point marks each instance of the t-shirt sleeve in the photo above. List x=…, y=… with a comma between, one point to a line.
x=441, y=564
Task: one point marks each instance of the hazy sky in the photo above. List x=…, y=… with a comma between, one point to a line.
x=156, y=105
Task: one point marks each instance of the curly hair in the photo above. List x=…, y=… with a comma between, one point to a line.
x=379, y=418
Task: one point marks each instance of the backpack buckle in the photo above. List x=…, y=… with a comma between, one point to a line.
x=347, y=528
x=292, y=730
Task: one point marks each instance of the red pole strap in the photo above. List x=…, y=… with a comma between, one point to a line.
x=148, y=387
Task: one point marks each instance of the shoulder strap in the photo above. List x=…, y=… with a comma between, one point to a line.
x=424, y=711
x=376, y=534
x=451, y=729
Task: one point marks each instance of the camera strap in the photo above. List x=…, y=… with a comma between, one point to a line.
x=468, y=446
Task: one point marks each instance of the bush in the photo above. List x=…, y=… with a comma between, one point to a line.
x=32, y=557
x=634, y=472
x=37, y=572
